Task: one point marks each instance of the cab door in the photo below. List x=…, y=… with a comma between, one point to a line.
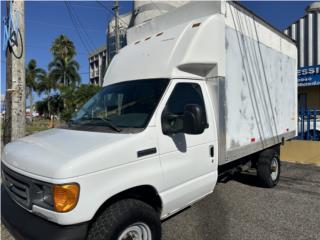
x=189, y=161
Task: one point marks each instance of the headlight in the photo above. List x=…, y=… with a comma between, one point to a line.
x=57, y=197
x=65, y=197
x=42, y=195
x=27, y=192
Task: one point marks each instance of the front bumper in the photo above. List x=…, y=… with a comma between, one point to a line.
x=27, y=226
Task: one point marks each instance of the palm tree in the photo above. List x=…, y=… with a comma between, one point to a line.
x=45, y=85
x=33, y=77
x=85, y=92
x=63, y=48
x=64, y=71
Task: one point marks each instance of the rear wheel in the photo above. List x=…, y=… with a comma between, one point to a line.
x=127, y=219
x=268, y=168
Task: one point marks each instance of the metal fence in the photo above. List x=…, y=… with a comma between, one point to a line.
x=309, y=124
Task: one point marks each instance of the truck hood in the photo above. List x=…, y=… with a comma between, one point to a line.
x=62, y=153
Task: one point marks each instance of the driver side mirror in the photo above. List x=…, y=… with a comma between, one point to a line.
x=193, y=119
x=191, y=122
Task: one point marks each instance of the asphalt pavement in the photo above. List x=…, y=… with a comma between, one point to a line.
x=241, y=209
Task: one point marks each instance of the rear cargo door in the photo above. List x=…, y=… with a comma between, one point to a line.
x=189, y=162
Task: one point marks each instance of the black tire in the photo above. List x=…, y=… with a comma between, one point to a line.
x=264, y=167
x=111, y=223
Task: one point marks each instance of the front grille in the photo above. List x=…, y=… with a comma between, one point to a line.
x=17, y=187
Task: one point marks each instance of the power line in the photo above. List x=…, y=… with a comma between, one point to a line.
x=77, y=30
x=60, y=26
x=47, y=48
x=89, y=40
x=85, y=6
x=76, y=23
x=111, y=12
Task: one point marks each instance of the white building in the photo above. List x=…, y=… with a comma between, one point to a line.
x=306, y=32
x=98, y=64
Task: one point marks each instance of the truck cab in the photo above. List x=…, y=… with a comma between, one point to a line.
x=178, y=104
x=142, y=137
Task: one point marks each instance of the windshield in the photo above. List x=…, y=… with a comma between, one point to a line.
x=122, y=105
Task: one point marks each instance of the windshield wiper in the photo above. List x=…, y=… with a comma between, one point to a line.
x=110, y=124
x=106, y=120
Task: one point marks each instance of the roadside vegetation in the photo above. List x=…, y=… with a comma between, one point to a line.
x=59, y=86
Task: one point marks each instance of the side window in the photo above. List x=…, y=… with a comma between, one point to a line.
x=183, y=94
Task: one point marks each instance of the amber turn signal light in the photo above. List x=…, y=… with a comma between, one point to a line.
x=65, y=196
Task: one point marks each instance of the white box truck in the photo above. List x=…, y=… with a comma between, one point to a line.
x=200, y=91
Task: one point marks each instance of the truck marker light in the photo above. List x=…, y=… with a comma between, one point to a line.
x=196, y=25
x=136, y=42
x=65, y=196
x=253, y=139
x=159, y=34
x=147, y=38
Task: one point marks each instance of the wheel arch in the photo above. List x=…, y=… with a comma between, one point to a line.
x=144, y=193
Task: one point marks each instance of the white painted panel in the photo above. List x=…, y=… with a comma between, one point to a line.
x=186, y=13
x=294, y=31
x=260, y=90
x=177, y=53
x=189, y=171
x=310, y=39
x=301, y=42
x=251, y=28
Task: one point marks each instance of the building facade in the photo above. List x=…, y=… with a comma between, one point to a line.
x=98, y=63
x=124, y=22
x=306, y=32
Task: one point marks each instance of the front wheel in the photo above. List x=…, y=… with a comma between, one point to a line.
x=127, y=219
x=268, y=168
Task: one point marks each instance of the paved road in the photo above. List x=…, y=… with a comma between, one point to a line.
x=239, y=209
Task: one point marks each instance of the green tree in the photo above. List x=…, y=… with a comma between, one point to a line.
x=33, y=76
x=75, y=96
x=63, y=48
x=45, y=86
x=64, y=71
x=55, y=102
x=68, y=94
x=85, y=92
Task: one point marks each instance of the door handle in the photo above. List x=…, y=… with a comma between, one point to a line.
x=211, y=151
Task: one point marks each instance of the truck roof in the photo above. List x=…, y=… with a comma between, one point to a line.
x=194, y=10
x=190, y=42
x=261, y=20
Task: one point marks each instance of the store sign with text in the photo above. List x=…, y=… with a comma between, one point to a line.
x=309, y=76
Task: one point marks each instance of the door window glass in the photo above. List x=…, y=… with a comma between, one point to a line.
x=183, y=94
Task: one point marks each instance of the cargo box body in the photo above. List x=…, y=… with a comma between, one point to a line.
x=249, y=68
x=260, y=85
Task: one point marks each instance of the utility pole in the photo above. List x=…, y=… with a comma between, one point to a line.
x=116, y=25
x=15, y=115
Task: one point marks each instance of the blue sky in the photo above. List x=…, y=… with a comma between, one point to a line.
x=45, y=20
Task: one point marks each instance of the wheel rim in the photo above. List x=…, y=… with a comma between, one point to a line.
x=137, y=231
x=274, y=169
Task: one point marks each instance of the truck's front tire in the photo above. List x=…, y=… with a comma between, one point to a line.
x=268, y=168
x=125, y=220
